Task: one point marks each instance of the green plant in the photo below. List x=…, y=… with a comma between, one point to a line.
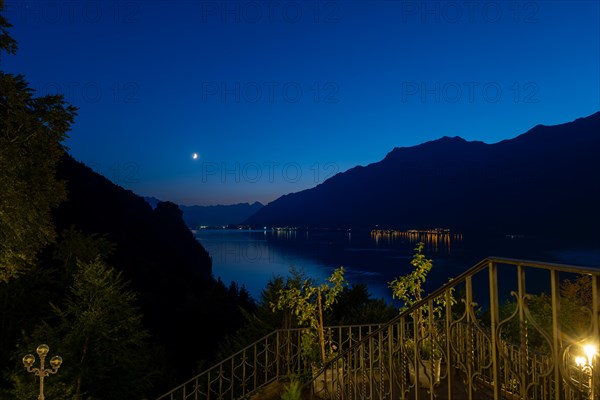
x=428, y=349
x=293, y=391
x=307, y=302
x=409, y=289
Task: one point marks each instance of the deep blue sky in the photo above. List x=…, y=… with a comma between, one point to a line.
x=275, y=96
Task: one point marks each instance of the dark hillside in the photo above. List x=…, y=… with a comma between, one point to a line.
x=166, y=265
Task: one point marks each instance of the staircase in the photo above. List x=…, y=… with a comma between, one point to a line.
x=533, y=349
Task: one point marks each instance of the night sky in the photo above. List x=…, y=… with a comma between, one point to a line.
x=276, y=96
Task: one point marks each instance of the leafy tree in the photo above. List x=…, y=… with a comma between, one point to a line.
x=353, y=306
x=356, y=306
x=99, y=334
x=31, y=132
x=23, y=302
x=258, y=323
x=75, y=247
x=578, y=290
x=308, y=302
x=7, y=43
x=409, y=289
x=575, y=315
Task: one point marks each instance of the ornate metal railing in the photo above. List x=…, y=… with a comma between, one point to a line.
x=491, y=337
x=261, y=363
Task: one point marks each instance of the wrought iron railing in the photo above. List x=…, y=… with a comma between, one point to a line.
x=261, y=363
x=491, y=337
x=484, y=346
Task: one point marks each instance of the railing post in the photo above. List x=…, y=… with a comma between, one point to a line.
x=448, y=322
x=266, y=379
x=596, y=305
x=431, y=336
x=277, y=355
x=370, y=365
x=596, y=330
x=403, y=357
x=255, y=365
x=556, y=343
x=470, y=356
x=524, y=353
x=416, y=356
x=220, y=381
x=494, y=320
x=233, y=381
x=208, y=385
x=390, y=359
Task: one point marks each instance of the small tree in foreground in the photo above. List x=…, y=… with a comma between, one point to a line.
x=409, y=289
x=307, y=302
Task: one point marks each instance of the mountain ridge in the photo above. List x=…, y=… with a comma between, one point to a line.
x=213, y=215
x=441, y=181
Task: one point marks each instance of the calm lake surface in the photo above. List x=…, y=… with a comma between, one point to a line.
x=251, y=258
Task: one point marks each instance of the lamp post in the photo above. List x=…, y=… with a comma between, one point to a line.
x=42, y=372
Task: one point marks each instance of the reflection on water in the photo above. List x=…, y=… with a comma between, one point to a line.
x=284, y=233
x=252, y=258
x=436, y=240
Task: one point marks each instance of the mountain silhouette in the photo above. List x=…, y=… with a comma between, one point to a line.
x=217, y=215
x=545, y=181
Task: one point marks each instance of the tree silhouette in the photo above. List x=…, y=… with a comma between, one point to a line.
x=98, y=332
x=31, y=133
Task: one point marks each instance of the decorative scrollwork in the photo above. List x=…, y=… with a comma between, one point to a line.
x=513, y=357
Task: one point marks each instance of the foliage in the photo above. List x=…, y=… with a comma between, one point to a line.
x=258, y=322
x=307, y=301
x=7, y=43
x=428, y=349
x=27, y=388
x=409, y=289
x=99, y=334
x=23, y=303
x=74, y=246
x=166, y=264
x=26, y=301
x=574, y=315
x=31, y=133
x=578, y=291
x=355, y=306
x=293, y=391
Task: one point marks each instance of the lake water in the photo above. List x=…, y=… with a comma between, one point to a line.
x=252, y=258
